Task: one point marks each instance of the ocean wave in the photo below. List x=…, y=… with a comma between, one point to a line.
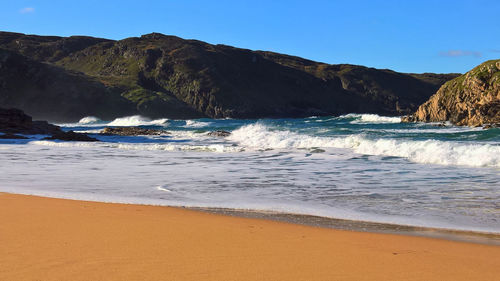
x=145, y=146
x=90, y=131
x=177, y=147
x=450, y=130
x=64, y=144
x=137, y=120
x=260, y=136
x=196, y=124
x=370, y=118
x=89, y=120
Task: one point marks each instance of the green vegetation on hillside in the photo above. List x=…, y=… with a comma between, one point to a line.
x=471, y=99
x=166, y=76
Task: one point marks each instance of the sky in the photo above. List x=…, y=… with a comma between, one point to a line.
x=405, y=36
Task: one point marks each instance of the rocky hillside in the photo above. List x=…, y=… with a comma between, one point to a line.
x=66, y=78
x=472, y=99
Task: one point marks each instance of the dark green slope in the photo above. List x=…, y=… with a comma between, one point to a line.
x=166, y=76
x=49, y=92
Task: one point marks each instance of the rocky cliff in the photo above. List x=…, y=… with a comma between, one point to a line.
x=472, y=99
x=66, y=78
x=14, y=121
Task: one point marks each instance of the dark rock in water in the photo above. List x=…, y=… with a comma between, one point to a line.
x=70, y=136
x=408, y=119
x=491, y=126
x=12, y=136
x=14, y=121
x=219, y=133
x=317, y=150
x=133, y=131
x=44, y=127
x=472, y=99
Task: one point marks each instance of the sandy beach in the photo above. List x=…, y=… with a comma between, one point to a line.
x=57, y=239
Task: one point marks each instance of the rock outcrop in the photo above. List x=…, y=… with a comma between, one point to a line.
x=71, y=136
x=219, y=133
x=66, y=78
x=472, y=99
x=12, y=136
x=14, y=121
x=133, y=131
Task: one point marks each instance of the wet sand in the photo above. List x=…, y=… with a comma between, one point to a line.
x=57, y=239
x=364, y=226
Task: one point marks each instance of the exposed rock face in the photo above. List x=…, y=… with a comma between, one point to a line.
x=70, y=136
x=472, y=99
x=14, y=121
x=133, y=131
x=65, y=79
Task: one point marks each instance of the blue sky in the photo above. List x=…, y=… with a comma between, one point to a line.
x=407, y=36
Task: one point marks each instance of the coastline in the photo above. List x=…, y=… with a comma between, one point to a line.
x=447, y=233
x=59, y=239
x=488, y=238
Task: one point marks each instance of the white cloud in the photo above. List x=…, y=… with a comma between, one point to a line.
x=460, y=53
x=27, y=10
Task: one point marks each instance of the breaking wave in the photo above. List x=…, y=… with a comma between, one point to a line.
x=138, y=120
x=89, y=120
x=144, y=147
x=371, y=118
x=260, y=136
x=196, y=124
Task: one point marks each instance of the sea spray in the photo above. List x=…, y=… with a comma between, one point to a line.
x=137, y=120
x=370, y=118
x=260, y=136
x=89, y=120
x=196, y=124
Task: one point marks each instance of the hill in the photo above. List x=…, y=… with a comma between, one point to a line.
x=472, y=99
x=155, y=75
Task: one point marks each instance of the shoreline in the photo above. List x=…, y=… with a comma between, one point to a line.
x=58, y=239
x=470, y=236
x=487, y=238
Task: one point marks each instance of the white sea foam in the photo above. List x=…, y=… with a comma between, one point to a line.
x=189, y=135
x=65, y=144
x=92, y=131
x=433, y=151
x=144, y=146
x=138, y=120
x=260, y=136
x=89, y=120
x=371, y=118
x=438, y=130
x=162, y=188
x=196, y=124
x=178, y=147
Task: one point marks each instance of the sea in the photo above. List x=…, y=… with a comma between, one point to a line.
x=359, y=167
